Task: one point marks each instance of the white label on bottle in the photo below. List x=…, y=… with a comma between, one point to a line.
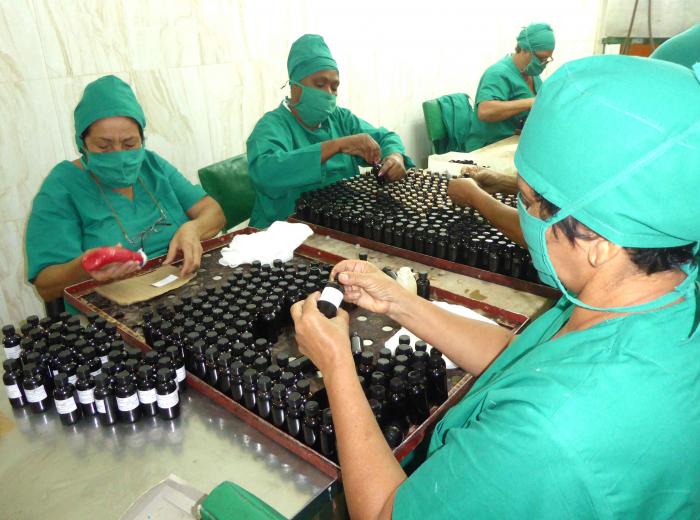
x=100, y=403
x=13, y=391
x=65, y=405
x=12, y=352
x=332, y=295
x=36, y=395
x=147, y=396
x=180, y=373
x=86, y=396
x=96, y=372
x=126, y=404
x=168, y=400
x=104, y=359
x=72, y=379
x=165, y=281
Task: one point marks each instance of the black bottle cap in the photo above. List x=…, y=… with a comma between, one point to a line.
x=378, y=392
x=60, y=380
x=164, y=362
x=383, y=365
x=250, y=376
x=101, y=380
x=249, y=356
x=211, y=353
x=278, y=391
x=144, y=372
x=261, y=344
x=396, y=384
x=384, y=353
x=260, y=364
x=109, y=367
x=159, y=345
x=400, y=371
x=327, y=416
x=64, y=356
x=294, y=400
x=420, y=346
x=122, y=377
x=367, y=358
x=163, y=375
x=303, y=386
x=237, y=367
x=173, y=352
x=287, y=379
x=273, y=372
x=83, y=372
x=404, y=339
x=377, y=378
x=414, y=377
x=282, y=359
x=401, y=359
x=311, y=408
x=264, y=383
x=224, y=359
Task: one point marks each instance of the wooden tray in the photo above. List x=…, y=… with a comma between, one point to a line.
x=127, y=319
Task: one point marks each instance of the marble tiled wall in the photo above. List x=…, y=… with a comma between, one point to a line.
x=205, y=70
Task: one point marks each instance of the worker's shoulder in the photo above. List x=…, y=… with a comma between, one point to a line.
x=62, y=177
x=271, y=121
x=503, y=68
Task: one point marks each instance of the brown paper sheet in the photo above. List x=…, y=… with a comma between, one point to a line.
x=139, y=288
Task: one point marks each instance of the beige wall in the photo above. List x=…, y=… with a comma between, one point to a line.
x=206, y=70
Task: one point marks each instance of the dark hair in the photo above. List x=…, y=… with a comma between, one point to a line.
x=648, y=260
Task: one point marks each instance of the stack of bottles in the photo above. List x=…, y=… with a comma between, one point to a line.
x=416, y=213
x=89, y=371
x=403, y=386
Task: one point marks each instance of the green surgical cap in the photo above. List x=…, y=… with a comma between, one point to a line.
x=308, y=55
x=683, y=48
x=614, y=141
x=106, y=97
x=536, y=37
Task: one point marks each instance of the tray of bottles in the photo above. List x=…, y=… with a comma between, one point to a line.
x=415, y=219
x=240, y=351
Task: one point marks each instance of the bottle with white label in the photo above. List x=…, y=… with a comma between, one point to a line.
x=105, y=401
x=85, y=386
x=178, y=363
x=167, y=395
x=330, y=299
x=146, y=390
x=11, y=342
x=128, y=409
x=11, y=378
x=64, y=400
x=34, y=389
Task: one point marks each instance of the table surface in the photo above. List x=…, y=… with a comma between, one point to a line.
x=498, y=155
x=53, y=471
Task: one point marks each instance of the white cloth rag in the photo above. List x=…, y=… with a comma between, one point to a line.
x=278, y=242
x=393, y=341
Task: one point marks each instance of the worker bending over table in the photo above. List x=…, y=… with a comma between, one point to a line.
x=116, y=192
x=591, y=411
x=308, y=142
x=507, y=89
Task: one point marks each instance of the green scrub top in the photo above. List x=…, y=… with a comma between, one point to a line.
x=601, y=423
x=284, y=159
x=683, y=49
x=69, y=215
x=502, y=81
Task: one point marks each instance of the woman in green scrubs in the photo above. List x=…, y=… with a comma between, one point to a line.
x=683, y=48
x=308, y=142
x=507, y=90
x=592, y=411
x=118, y=192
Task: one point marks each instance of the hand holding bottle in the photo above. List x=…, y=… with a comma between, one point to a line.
x=368, y=287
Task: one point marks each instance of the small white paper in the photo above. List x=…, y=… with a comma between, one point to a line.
x=165, y=281
x=460, y=310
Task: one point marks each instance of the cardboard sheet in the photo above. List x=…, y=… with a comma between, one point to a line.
x=144, y=287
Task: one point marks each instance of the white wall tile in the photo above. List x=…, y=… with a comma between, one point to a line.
x=20, y=46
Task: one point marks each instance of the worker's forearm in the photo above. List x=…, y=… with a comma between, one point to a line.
x=470, y=344
x=370, y=471
x=51, y=281
x=494, y=111
x=207, y=217
x=329, y=149
x=501, y=216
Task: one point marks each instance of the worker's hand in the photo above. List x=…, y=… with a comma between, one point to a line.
x=368, y=287
x=186, y=239
x=325, y=342
x=360, y=145
x=393, y=167
x=493, y=181
x=462, y=191
x=114, y=271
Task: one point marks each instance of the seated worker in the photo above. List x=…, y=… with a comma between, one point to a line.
x=308, y=142
x=116, y=192
x=507, y=89
x=683, y=48
x=591, y=411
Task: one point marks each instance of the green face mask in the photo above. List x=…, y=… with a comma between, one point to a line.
x=115, y=169
x=535, y=67
x=314, y=105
